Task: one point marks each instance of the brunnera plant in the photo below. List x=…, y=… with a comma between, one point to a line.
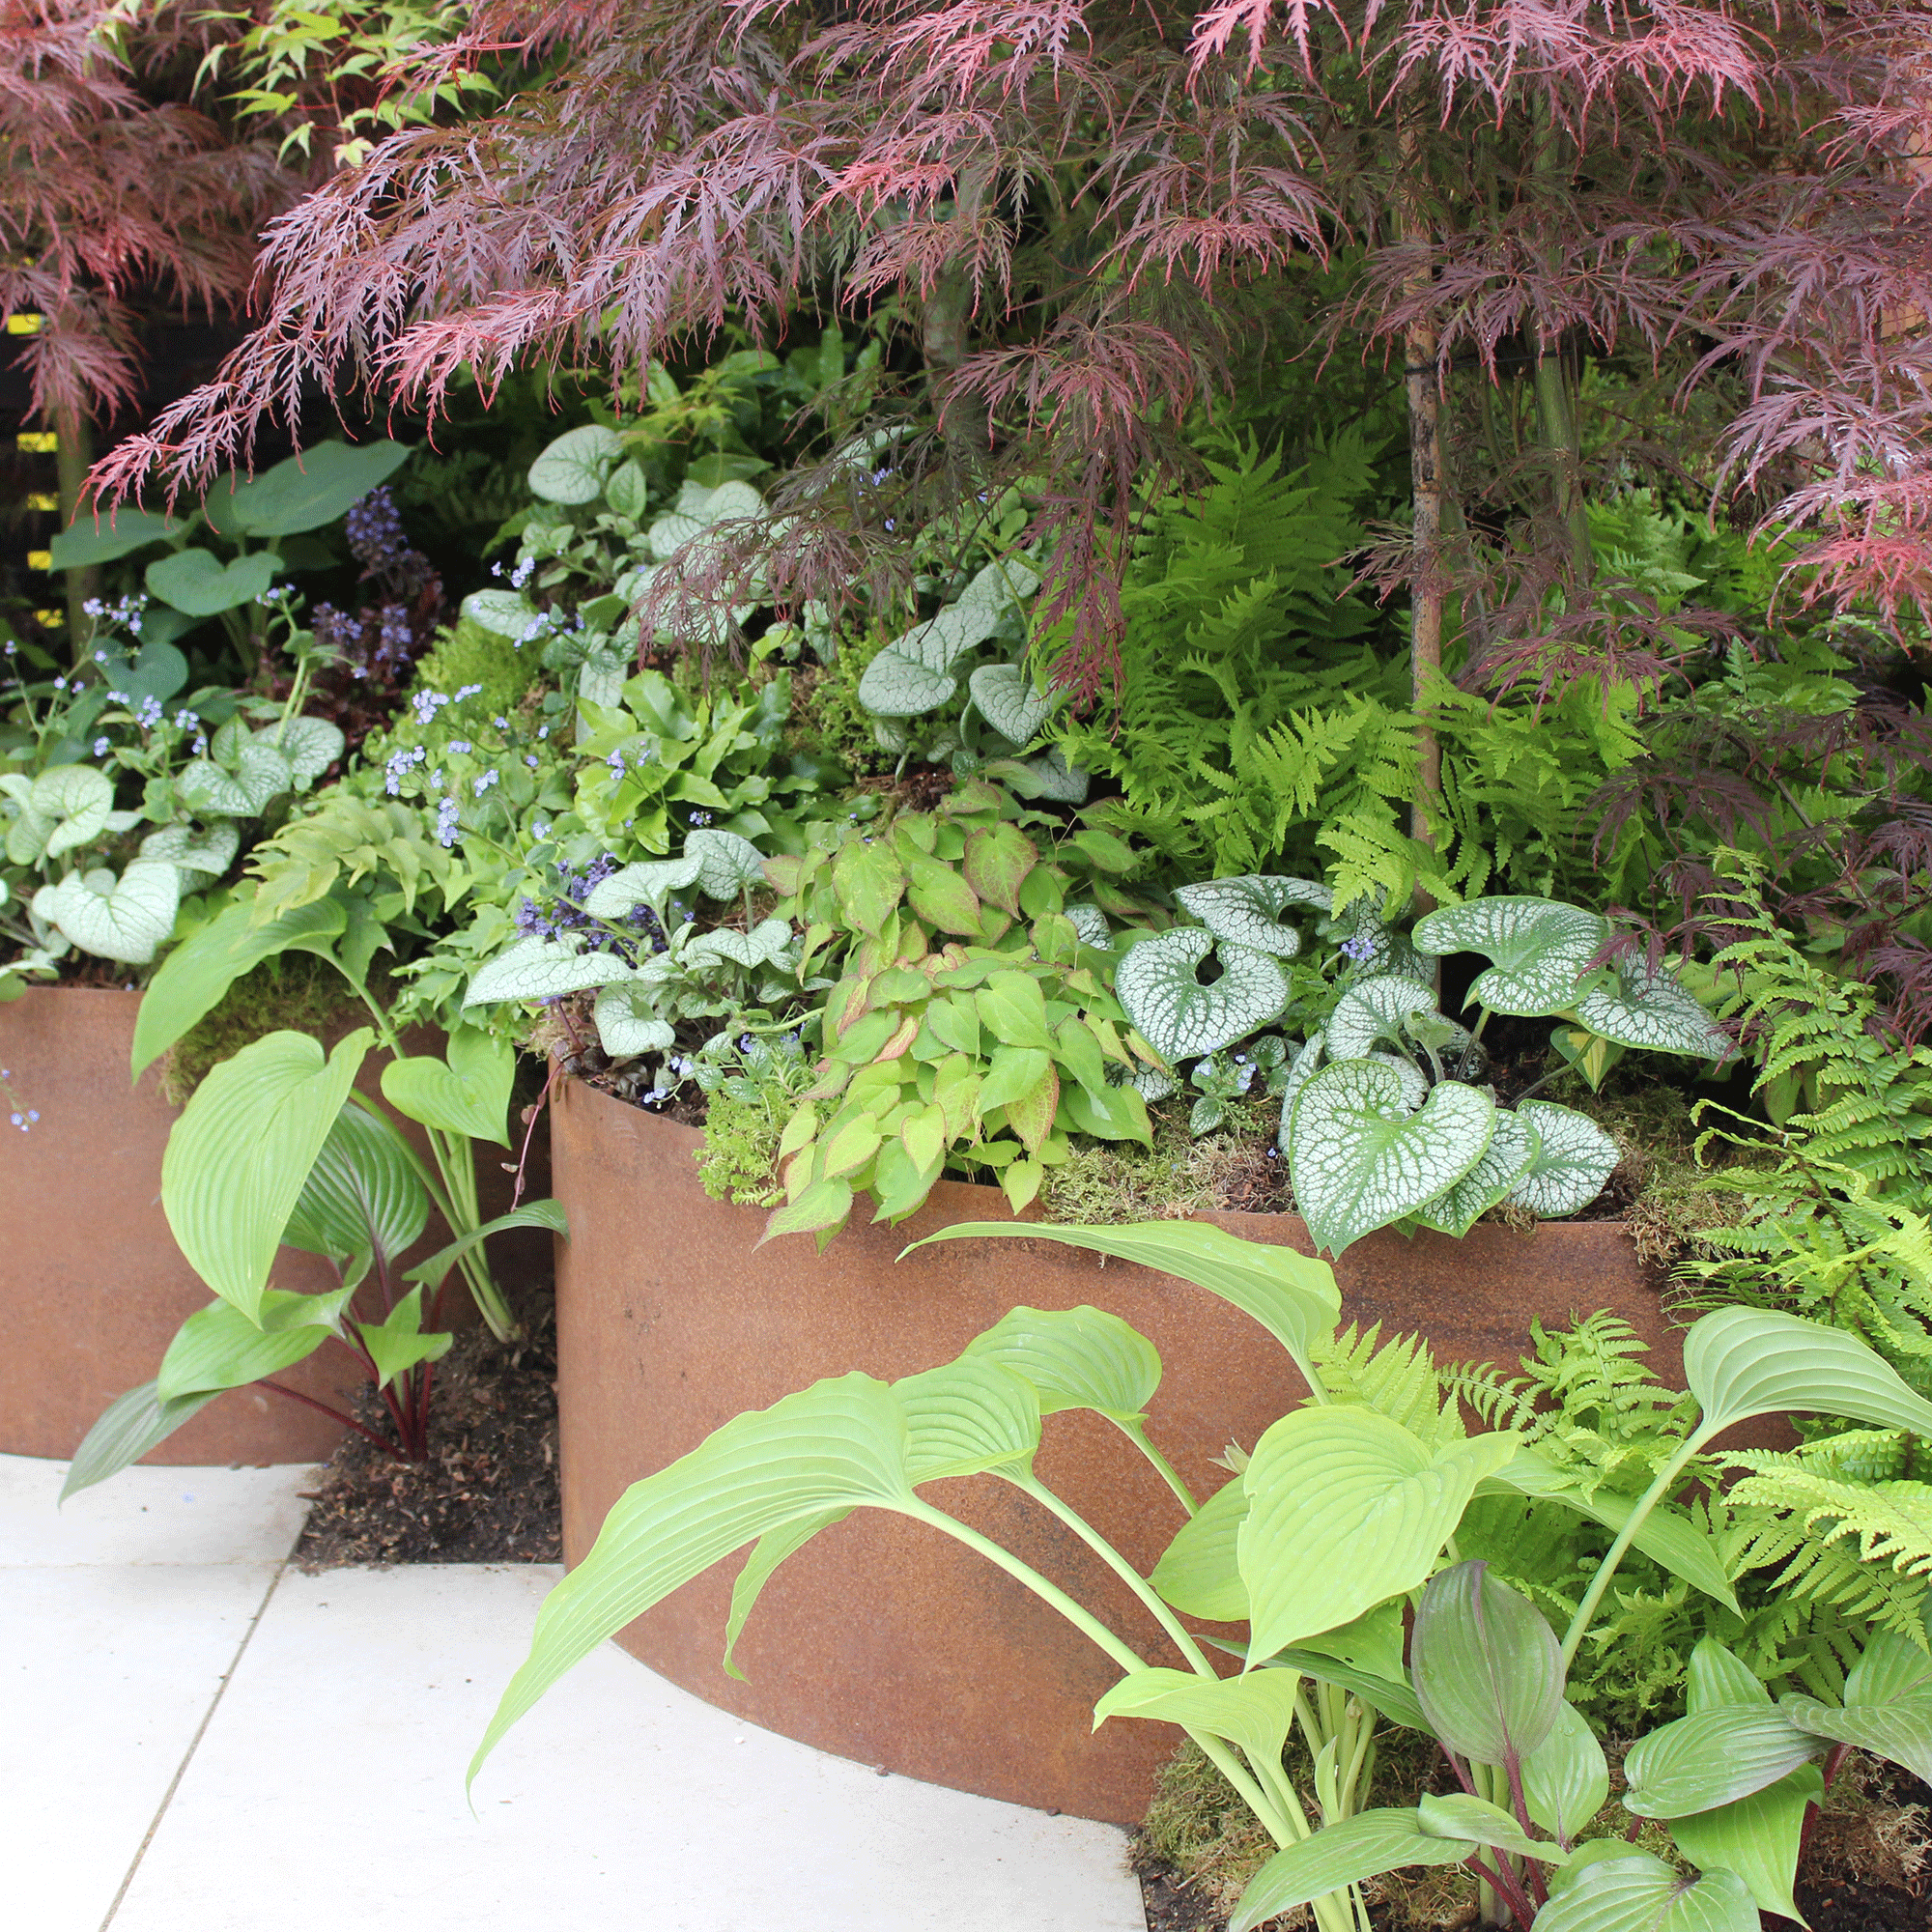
x=1084, y=216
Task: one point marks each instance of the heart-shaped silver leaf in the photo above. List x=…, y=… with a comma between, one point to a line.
x=1158, y=983
x=1540, y=948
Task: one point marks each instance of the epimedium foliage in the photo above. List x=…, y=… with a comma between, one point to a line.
x=1078, y=214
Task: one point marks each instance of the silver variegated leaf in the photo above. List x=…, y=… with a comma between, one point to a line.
x=543, y=969
x=1152, y=1084
x=1541, y=950
x=1000, y=586
x=1008, y=702
x=914, y=672
x=1642, y=1008
x=649, y=882
x=1050, y=778
x=310, y=745
x=726, y=864
x=128, y=918
x=627, y=1022
x=1247, y=909
x=765, y=945
x=503, y=613
x=1380, y=949
x=78, y=800
x=1301, y=1070
x=573, y=466
x=1091, y=923
x=1158, y=982
x=210, y=852
x=1574, y=1160
x=1359, y=1159
x=1508, y=1158
x=1374, y=1010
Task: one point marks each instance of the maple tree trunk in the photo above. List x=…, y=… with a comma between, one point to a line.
x=1423, y=382
x=74, y=452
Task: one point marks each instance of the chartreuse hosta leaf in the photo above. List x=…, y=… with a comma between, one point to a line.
x=1487, y=1669
x=1339, y=1856
x=397, y=1343
x=1359, y=1158
x=128, y=1427
x=1247, y=910
x=1200, y=1572
x=1374, y=1010
x=1757, y=1837
x=1540, y=948
x=1075, y=1358
x=1346, y=1509
x=240, y=1154
x=362, y=1196
x=1887, y=1707
x=1255, y=1711
x=1158, y=983
x=128, y=918
x=1293, y=1296
x=468, y=1094
x=543, y=969
x=1574, y=1158
x=1628, y=1890
x=1511, y=1154
x=1456, y=1814
x=1638, y=1008
x=843, y=1443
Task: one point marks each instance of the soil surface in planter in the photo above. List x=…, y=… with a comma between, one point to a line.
x=487, y=1491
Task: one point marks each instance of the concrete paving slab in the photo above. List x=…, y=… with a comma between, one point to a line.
x=185, y=1516
x=107, y=1673
x=327, y=1793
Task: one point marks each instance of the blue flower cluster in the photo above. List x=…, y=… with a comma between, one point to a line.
x=563, y=912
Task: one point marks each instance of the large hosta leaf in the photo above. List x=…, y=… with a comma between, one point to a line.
x=362, y=1194
x=1541, y=950
x=1574, y=1158
x=543, y=969
x=1373, y=1010
x=128, y=918
x=1359, y=1159
x=1159, y=985
x=1200, y=1572
x=1255, y=1711
x=220, y=1348
x=1339, y=1856
x=1075, y=1358
x=128, y=1427
x=1635, y=1893
x=1566, y=1779
x=1488, y=1668
x=1644, y=1008
x=1247, y=910
x=1511, y=1152
x=467, y=1094
x=1722, y=1753
x=1346, y=1508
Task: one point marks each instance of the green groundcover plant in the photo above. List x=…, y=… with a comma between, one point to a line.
x=1339, y=1530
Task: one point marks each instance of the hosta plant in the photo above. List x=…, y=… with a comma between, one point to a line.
x=1338, y=1532
x=276, y=1146
x=1386, y=1117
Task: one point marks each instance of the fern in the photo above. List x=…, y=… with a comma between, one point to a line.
x=1398, y=1378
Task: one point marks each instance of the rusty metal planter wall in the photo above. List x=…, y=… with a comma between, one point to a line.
x=92, y=1286
x=884, y=1640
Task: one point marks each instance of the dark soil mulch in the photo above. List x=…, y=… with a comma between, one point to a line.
x=1845, y=1905
x=487, y=1491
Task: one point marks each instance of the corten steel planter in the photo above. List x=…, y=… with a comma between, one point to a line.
x=92, y=1286
x=884, y=1640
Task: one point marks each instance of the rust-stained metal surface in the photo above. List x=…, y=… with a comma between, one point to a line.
x=884, y=1640
x=92, y=1286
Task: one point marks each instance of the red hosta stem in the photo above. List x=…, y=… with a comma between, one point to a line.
x=530, y=1134
x=1502, y=1883
x=347, y=1421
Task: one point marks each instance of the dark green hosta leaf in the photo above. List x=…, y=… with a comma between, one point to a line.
x=1631, y=1891
x=1574, y=1158
x=128, y=1427
x=1339, y=1856
x=1714, y=1758
x=1487, y=1669
x=362, y=1194
x=199, y=584
x=1641, y=1008
x=1508, y=1159
x=103, y=537
x=1346, y=1509
x=1247, y=910
x=313, y=487
x=1541, y=950
x=1158, y=983
x=1742, y=1362
x=1359, y=1158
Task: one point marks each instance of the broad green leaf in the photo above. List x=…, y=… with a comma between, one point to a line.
x=128, y=1427
x=240, y=1154
x=767, y=1554
x=1891, y=1668
x=1641, y=1008
x=914, y=674
x=1714, y=1758
x=1541, y=950
x=1458, y=1815
x=531, y=1214
x=573, y=466
x=102, y=536
x=196, y=975
x=220, y=1348
x=209, y=853
x=78, y=799
x=1372, y=1642
x=1566, y=1779
x=1293, y=1296
x=1635, y=1893
x=308, y=490
x=362, y=1194
x=1012, y=1009
x=199, y=584
x=1158, y=983
x=966, y=1417
x=397, y=1343
x=543, y=969
x=1339, y=1856
x=996, y=862
x=726, y=864
x=1511, y=1152
x=868, y=881
x=1255, y=1711
x=1075, y=1358
x=1488, y=1668
x=1574, y=1158
x=1346, y=1508
x=822, y=1206
x=1374, y=1010
x=468, y=1094
x=1900, y=1730
x=1392, y=1697
x=1247, y=910
x=1359, y=1158
x=626, y=1018
x=1200, y=1572
x=1718, y=1679
x=1742, y=1362
x=128, y=918
x=1009, y=703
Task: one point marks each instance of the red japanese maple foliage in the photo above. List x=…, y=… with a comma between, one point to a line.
x=1090, y=209
x=112, y=187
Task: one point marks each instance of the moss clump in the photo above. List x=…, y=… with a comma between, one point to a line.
x=738, y=1161
x=294, y=992
x=827, y=719
x=1235, y=1167
x=465, y=654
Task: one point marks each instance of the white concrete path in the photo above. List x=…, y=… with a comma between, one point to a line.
x=195, y=1737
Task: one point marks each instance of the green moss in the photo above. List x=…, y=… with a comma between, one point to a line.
x=468, y=654
x=828, y=719
x=294, y=992
x=738, y=1161
x=1104, y=1182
